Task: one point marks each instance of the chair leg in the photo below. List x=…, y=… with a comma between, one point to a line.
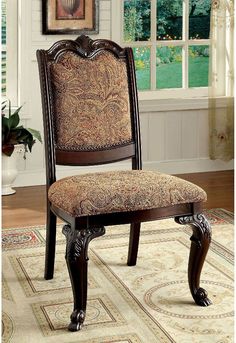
x=200, y=239
x=133, y=243
x=50, y=244
x=77, y=263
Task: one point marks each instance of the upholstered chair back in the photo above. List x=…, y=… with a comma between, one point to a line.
x=90, y=96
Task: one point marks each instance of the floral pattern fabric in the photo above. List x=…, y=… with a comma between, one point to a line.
x=119, y=191
x=91, y=101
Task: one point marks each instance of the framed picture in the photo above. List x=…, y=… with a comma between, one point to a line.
x=70, y=16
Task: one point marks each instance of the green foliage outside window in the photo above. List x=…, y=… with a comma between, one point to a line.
x=169, y=19
x=198, y=65
x=137, y=27
x=137, y=20
x=169, y=67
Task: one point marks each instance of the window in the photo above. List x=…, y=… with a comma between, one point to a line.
x=9, y=50
x=170, y=41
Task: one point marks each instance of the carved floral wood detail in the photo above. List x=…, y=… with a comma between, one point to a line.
x=78, y=240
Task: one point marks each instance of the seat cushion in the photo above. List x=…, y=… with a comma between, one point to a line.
x=119, y=191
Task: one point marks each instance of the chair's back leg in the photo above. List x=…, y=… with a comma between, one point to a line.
x=50, y=243
x=77, y=263
x=133, y=243
x=201, y=239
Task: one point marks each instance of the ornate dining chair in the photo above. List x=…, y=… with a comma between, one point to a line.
x=91, y=117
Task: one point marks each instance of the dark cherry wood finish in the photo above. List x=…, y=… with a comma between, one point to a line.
x=81, y=230
x=95, y=157
x=201, y=239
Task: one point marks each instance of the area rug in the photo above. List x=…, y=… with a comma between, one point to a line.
x=147, y=303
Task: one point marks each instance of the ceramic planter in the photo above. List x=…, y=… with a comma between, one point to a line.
x=9, y=169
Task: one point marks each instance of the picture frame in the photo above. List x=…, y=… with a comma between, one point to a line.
x=70, y=17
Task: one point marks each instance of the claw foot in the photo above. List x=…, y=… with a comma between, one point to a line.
x=201, y=298
x=77, y=319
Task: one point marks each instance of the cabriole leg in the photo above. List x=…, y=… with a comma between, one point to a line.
x=77, y=263
x=200, y=239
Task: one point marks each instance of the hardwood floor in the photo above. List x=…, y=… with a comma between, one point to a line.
x=27, y=206
x=219, y=187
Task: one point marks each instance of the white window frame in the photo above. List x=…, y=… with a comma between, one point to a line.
x=117, y=35
x=12, y=44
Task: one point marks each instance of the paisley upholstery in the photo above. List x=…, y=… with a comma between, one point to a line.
x=90, y=101
x=118, y=191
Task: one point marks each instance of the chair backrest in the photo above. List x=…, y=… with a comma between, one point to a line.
x=90, y=106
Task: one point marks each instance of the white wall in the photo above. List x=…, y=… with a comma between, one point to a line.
x=174, y=133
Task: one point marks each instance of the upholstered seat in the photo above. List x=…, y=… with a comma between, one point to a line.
x=120, y=191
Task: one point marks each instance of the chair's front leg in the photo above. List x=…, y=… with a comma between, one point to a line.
x=77, y=263
x=200, y=239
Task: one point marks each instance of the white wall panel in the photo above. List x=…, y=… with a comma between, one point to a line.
x=203, y=134
x=144, y=128
x=105, y=5
x=173, y=136
x=156, y=136
x=189, y=133
x=36, y=6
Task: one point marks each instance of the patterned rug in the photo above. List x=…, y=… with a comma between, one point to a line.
x=147, y=303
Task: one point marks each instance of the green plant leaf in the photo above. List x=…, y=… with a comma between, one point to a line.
x=13, y=134
x=23, y=135
x=5, y=123
x=12, y=138
x=17, y=110
x=14, y=120
x=35, y=134
x=30, y=144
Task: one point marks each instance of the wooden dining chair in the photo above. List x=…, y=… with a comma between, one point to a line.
x=91, y=117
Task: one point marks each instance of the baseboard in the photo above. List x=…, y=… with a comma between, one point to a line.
x=189, y=166
x=37, y=177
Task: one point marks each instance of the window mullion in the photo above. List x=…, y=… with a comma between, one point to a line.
x=153, y=41
x=169, y=42
x=199, y=42
x=137, y=44
x=153, y=67
x=185, y=63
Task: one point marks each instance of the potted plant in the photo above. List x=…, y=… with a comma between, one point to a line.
x=15, y=140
